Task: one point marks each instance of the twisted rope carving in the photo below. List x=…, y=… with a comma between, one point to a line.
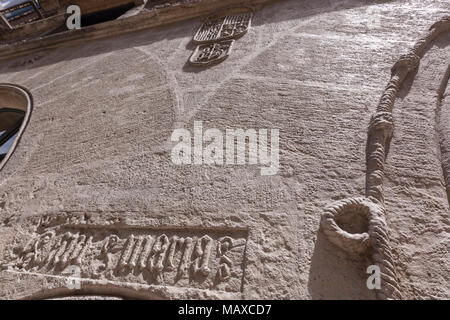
x=375, y=242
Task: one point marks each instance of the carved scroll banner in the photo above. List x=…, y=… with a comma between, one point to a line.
x=216, y=36
x=200, y=258
x=375, y=241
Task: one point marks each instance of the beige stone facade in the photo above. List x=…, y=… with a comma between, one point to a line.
x=92, y=203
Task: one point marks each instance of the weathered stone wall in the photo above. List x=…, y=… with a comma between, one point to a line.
x=97, y=150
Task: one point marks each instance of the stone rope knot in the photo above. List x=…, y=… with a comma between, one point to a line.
x=382, y=121
x=350, y=242
x=374, y=241
x=410, y=61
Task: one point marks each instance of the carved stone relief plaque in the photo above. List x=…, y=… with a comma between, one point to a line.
x=211, y=53
x=224, y=28
x=216, y=36
x=200, y=258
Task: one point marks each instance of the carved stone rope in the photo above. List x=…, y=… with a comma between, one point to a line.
x=375, y=242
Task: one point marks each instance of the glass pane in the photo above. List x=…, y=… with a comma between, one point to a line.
x=5, y=147
x=10, y=121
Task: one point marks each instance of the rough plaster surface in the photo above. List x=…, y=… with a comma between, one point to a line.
x=97, y=148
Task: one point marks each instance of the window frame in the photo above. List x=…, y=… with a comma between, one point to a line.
x=24, y=105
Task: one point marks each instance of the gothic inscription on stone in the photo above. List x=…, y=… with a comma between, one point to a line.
x=198, y=258
x=211, y=53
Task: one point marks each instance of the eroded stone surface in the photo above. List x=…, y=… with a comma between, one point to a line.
x=99, y=142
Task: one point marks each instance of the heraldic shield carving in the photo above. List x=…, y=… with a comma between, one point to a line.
x=232, y=24
x=216, y=36
x=211, y=53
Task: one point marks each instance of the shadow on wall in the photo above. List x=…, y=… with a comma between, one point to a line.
x=282, y=11
x=335, y=274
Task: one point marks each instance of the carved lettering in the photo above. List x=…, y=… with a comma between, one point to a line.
x=190, y=258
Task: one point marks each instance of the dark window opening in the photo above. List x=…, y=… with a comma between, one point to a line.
x=22, y=12
x=107, y=15
x=10, y=122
